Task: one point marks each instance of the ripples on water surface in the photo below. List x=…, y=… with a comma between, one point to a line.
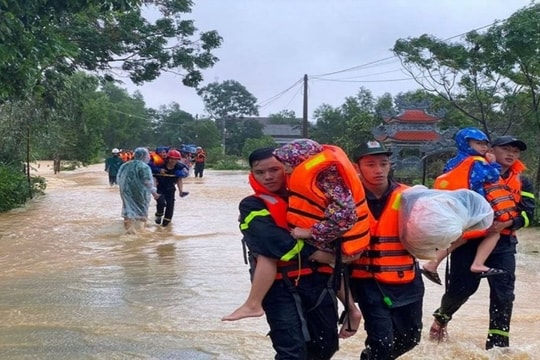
x=74, y=287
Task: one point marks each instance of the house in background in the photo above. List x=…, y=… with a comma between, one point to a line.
x=282, y=133
x=407, y=133
x=414, y=136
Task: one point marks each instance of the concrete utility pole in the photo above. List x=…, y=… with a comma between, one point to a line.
x=223, y=130
x=305, y=117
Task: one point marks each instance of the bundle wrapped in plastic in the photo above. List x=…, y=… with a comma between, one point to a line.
x=432, y=219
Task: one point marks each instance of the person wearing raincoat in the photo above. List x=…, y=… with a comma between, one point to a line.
x=112, y=165
x=136, y=185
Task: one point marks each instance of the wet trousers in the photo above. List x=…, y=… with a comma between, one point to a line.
x=165, y=206
x=391, y=332
x=112, y=180
x=285, y=320
x=462, y=284
x=198, y=169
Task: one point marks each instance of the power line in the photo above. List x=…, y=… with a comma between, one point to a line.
x=278, y=95
x=363, y=81
x=355, y=67
x=360, y=76
x=393, y=57
x=155, y=121
x=294, y=96
x=130, y=115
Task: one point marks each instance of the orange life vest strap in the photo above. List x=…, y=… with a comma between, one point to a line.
x=292, y=269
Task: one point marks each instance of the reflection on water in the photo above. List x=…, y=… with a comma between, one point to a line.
x=75, y=287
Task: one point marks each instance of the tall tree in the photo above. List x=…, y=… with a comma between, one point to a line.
x=227, y=103
x=129, y=123
x=244, y=129
x=513, y=47
x=170, y=125
x=347, y=124
x=106, y=36
x=287, y=117
x=202, y=132
x=488, y=77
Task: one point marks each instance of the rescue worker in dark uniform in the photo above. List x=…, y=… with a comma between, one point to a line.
x=300, y=307
x=386, y=280
x=112, y=165
x=169, y=177
x=461, y=283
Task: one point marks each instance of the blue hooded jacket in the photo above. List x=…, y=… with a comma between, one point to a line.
x=482, y=172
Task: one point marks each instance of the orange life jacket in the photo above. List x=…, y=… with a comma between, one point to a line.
x=200, y=156
x=307, y=203
x=277, y=207
x=386, y=259
x=458, y=177
x=155, y=159
x=502, y=198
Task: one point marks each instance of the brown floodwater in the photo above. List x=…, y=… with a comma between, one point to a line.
x=73, y=286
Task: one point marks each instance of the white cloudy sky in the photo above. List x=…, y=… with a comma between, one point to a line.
x=270, y=44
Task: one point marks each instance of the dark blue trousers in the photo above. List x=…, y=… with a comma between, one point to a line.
x=391, y=332
x=165, y=205
x=319, y=312
x=462, y=284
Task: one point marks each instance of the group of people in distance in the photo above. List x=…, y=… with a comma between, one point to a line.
x=156, y=174
x=321, y=227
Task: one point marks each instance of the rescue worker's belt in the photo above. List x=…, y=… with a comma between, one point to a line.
x=291, y=269
x=381, y=268
x=383, y=253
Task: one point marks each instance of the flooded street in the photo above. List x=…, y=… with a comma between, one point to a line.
x=74, y=287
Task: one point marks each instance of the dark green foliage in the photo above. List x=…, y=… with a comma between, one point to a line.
x=253, y=144
x=228, y=103
x=14, y=188
x=230, y=162
x=65, y=36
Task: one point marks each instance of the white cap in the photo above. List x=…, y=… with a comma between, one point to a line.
x=115, y=151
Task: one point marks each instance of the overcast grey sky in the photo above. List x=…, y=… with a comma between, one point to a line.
x=270, y=44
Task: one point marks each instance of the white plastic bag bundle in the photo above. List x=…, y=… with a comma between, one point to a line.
x=432, y=219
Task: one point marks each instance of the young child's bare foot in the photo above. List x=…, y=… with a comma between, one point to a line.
x=349, y=328
x=475, y=268
x=430, y=266
x=429, y=270
x=243, y=312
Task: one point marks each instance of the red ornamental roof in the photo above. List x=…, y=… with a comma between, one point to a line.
x=413, y=115
x=412, y=136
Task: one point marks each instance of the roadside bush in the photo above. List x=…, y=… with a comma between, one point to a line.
x=14, y=189
x=230, y=163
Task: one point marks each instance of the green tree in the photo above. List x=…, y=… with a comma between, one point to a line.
x=347, y=124
x=76, y=113
x=227, y=103
x=170, y=126
x=204, y=133
x=329, y=124
x=286, y=117
x=512, y=48
x=459, y=73
x=129, y=123
x=491, y=78
x=244, y=129
x=50, y=36
x=254, y=144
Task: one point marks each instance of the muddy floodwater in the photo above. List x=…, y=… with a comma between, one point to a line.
x=74, y=287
